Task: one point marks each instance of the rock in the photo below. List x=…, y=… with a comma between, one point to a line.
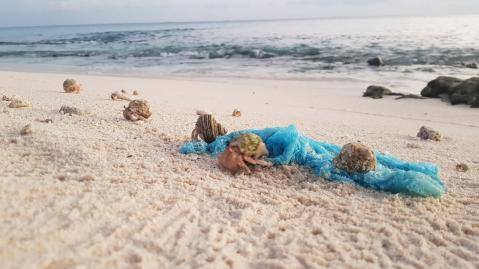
x=475, y=104
x=136, y=93
x=427, y=133
x=440, y=85
x=27, y=130
x=71, y=110
x=466, y=92
x=470, y=65
x=236, y=113
x=137, y=110
x=356, y=158
x=15, y=103
x=376, y=92
x=462, y=167
x=71, y=86
x=377, y=61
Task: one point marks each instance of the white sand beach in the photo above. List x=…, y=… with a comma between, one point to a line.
x=97, y=191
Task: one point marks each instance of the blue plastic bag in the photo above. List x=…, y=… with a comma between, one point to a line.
x=288, y=146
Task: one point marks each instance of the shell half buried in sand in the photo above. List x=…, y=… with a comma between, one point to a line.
x=119, y=96
x=137, y=110
x=15, y=103
x=71, y=86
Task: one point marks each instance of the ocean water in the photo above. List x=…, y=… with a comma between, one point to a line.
x=414, y=48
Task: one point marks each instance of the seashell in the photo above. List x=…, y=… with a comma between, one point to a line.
x=7, y=98
x=15, y=103
x=356, y=158
x=71, y=110
x=250, y=145
x=71, y=86
x=136, y=93
x=119, y=96
x=137, y=110
x=462, y=167
x=427, y=133
x=236, y=113
x=27, y=130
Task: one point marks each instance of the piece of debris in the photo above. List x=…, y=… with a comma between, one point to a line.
x=137, y=110
x=27, y=130
x=355, y=158
x=71, y=110
x=462, y=167
x=427, y=133
x=236, y=113
x=71, y=86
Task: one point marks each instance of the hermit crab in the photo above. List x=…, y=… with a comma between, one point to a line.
x=207, y=128
x=71, y=86
x=137, y=110
x=246, y=149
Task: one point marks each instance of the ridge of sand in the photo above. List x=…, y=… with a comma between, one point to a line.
x=96, y=191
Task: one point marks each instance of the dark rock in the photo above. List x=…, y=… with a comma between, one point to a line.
x=356, y=158
x=475, y=104
x=441, y=85
x=470, y=65
x=467, y=92
x=376, y=92
x=377, y=61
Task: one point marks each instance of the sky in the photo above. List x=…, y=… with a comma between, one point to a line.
x=63, y=12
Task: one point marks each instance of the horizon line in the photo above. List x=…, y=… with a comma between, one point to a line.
x=239, y=20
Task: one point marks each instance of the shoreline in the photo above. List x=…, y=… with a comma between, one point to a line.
x=98, y=191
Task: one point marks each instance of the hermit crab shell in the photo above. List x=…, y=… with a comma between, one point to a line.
x=250, y=144
x=137, y=110
x=71, y=86
x=356, y=158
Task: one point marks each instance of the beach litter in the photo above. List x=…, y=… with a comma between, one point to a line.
x=207, y=128
x=286, y=146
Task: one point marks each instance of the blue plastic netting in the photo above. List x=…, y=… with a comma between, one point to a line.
x=288, y=146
